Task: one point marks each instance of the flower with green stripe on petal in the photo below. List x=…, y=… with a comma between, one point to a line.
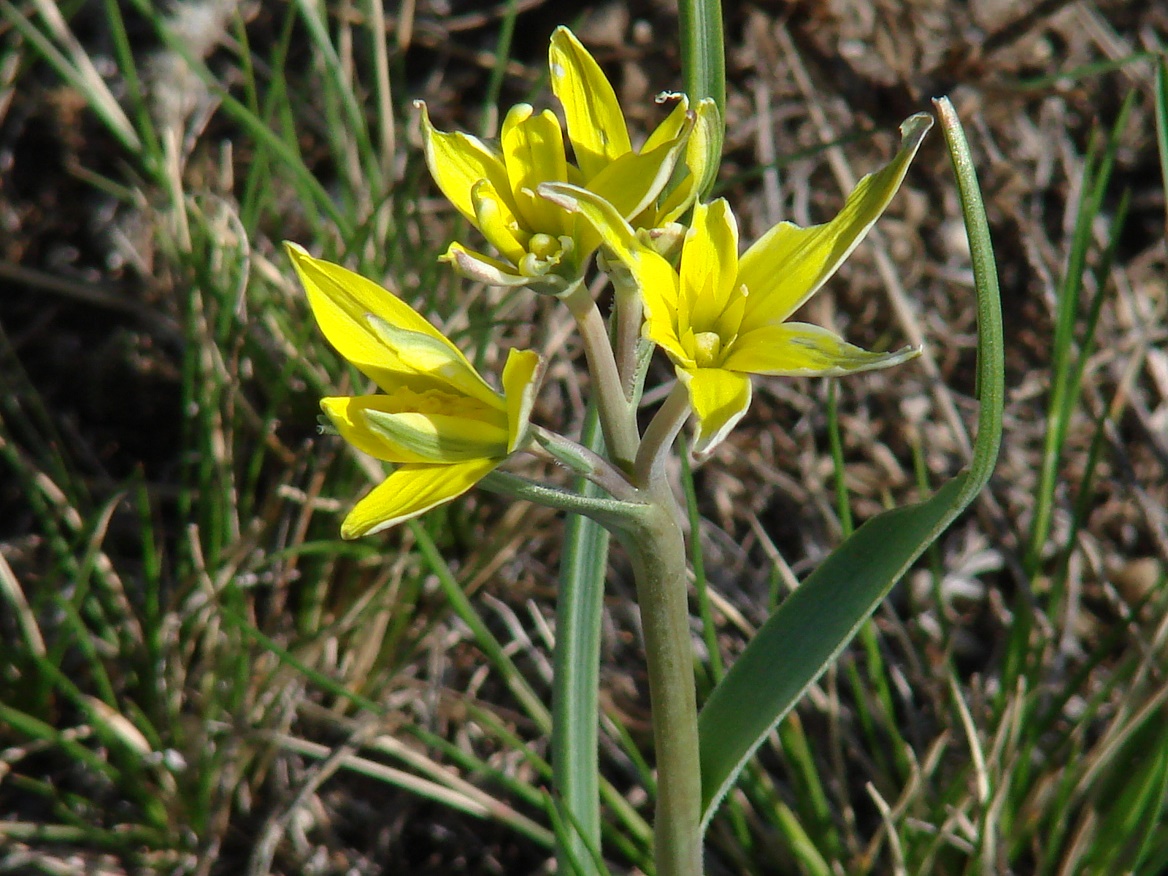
x=437, y=420
x=721, y=318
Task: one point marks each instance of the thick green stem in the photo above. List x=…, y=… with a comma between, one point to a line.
x=657, y=550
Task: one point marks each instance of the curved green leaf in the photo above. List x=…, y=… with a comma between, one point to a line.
x=813, y=625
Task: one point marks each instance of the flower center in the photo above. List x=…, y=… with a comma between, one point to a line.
x=543, y=246
x=707, y=349
x=547, y=255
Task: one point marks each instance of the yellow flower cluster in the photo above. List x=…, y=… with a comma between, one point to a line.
x=719, y=316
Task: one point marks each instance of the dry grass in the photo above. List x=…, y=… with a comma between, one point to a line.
x=198, y=677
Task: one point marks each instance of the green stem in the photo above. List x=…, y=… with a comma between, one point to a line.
x=657, y=549
x=587, y=463
x=617, y=416
x=649, y=467
x=607, y=512
x=629, y=316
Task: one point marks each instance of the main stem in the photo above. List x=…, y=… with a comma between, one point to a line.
x=652, y=535
x=656, y=547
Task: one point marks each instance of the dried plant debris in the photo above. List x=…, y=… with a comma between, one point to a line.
x=119, y=347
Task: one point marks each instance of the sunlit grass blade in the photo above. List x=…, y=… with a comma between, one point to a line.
x=284, y=148
x=1132, y=801
x=697, y=564
x=1081, y=73
x=348, y=130
x=1086, y=490
x=452, y=793
x=815, y=623
x=490, y=116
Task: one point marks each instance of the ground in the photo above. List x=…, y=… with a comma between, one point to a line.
x=197, y=676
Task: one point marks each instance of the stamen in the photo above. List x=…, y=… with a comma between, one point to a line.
x=707, y=349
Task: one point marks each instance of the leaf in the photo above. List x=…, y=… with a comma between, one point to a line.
x=813, y=625
x=576, y=681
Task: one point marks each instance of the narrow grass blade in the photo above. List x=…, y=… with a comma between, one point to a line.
x=483, y=637
x=72, y=63
x=579, y=611
x=490, y=115
x=1131, y=801
x=284, y=152
x=1161, y=110
x=1068, y=353
x=814, y=624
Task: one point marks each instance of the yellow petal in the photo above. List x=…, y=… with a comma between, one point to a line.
x=596, y=126
x=719, y=398
x=438, y=362
x=634, y=181
x=457, y=161
x=794, y=349
x=376, y=424
x=412, y=490
x=653, y=275
x=709, y=267
x=497, y=223
x=346, y=306
x=519, y=389
x=533, y=151
x=347, y=415
x=702, y=161
x=672, y=127
x=482, y=268
x=439, y=437
x=789, y=264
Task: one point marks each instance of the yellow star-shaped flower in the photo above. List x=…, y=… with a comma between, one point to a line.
x=496, y=186
x=721, y=318
x=442, y=425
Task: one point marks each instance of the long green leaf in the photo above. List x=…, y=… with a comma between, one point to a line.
x=703, y=63
x=812, y=626
x=576, y=681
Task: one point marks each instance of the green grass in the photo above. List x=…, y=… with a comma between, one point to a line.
x=194, y=666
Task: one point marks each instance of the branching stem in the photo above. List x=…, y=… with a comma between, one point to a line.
x=618, y=419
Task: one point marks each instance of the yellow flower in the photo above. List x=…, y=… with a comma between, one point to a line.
x=721, y=318
x=600, y=138
x=496, y=186
x=438, y=420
